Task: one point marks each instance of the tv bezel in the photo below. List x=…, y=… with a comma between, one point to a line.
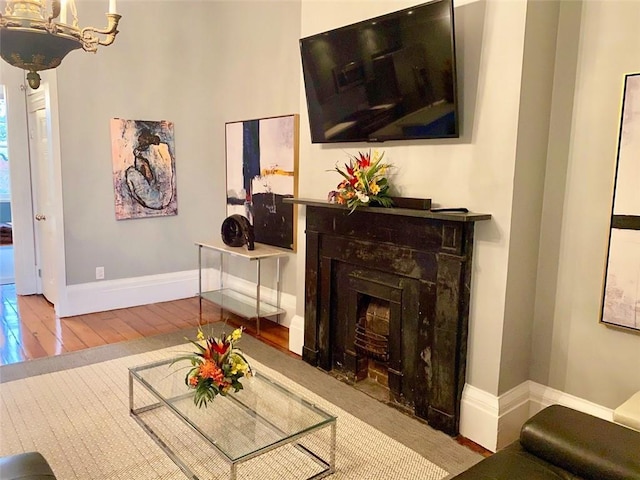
x=381, y=18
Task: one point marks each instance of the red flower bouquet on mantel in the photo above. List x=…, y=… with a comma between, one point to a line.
x=364, y=182
x=217, y=367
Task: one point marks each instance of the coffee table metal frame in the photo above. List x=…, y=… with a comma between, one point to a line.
x=330, y=421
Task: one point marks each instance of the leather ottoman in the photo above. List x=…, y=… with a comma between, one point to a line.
x=560, y=443
x=25, y=466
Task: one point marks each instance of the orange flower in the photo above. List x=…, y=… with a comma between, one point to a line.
x=193, y=381
x=210, y=370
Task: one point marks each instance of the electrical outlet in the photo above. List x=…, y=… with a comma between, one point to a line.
x=99, y=273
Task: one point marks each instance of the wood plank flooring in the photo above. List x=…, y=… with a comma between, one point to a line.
x=30, y=329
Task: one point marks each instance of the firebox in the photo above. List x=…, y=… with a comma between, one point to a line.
x=371, y=341
x=387, y=297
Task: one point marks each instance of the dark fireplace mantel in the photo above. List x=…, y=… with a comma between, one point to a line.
x=419, y=261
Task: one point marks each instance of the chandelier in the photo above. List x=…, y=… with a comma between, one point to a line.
x=34, y=38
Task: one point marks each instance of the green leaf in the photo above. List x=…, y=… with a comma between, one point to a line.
x=385, y=201
x=194, y=359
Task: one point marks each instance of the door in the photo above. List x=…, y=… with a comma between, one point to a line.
x=42, y=181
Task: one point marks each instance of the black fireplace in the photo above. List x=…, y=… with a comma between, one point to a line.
x=387, y=296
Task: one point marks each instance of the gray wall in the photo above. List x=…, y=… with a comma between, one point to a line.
x=198, y=64
x=531, y=157
x=571, y=351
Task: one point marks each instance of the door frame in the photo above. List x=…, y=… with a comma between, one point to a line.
x=21, y=182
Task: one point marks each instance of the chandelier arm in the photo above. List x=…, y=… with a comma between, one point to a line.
x=55, y=11
x=90, y=41
x=7, y=22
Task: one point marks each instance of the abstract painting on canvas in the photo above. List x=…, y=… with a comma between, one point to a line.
x=261, y=162
x=621, y=299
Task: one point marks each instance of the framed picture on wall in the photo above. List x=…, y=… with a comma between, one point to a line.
x=621, y=297
x=261, y=171
x=144, y=168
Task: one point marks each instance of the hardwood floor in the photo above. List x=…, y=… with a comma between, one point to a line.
x=30, y=329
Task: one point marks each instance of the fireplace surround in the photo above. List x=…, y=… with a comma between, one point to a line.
x=415, y=267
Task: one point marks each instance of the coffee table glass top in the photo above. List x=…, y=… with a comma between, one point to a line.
x=261, y=416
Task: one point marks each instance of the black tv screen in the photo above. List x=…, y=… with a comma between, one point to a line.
x=391, y=77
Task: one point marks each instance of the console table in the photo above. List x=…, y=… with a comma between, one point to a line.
x=241, y=304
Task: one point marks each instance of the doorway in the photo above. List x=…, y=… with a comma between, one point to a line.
x=36, y=184
x=6, y=229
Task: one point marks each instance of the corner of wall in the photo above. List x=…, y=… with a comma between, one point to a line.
x=495, y=422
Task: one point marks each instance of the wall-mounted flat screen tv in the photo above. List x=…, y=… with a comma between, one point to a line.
x=391, y=77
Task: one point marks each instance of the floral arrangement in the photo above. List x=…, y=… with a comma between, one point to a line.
x=216, y=367
x=364, y=182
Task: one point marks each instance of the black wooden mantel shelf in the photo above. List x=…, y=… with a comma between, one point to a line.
x=407, y=212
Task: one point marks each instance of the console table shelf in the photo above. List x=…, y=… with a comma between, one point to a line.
x=242, y=304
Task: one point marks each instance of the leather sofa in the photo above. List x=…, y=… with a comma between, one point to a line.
x=563, y=444
x=25, y=466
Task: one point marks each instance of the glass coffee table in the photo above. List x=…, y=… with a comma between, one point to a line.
x=264, y=421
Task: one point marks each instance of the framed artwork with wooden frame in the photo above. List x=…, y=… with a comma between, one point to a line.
x=261, y=171
x=621, y=296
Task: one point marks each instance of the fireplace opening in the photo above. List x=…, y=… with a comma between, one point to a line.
x=371, y=343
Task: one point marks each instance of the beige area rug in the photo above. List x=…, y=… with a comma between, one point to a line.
x=79, y=420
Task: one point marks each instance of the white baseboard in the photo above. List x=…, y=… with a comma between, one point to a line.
x=514, y=410
x=296, y=334
x=494, y=422
x=130, y=292
x=543, y=396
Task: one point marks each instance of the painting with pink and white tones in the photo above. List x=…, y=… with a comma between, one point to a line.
x=144, y=170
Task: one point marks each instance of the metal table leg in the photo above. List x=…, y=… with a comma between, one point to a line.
x=200, y=279
x=258, y=296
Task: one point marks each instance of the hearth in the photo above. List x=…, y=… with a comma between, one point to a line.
x=387, y=299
